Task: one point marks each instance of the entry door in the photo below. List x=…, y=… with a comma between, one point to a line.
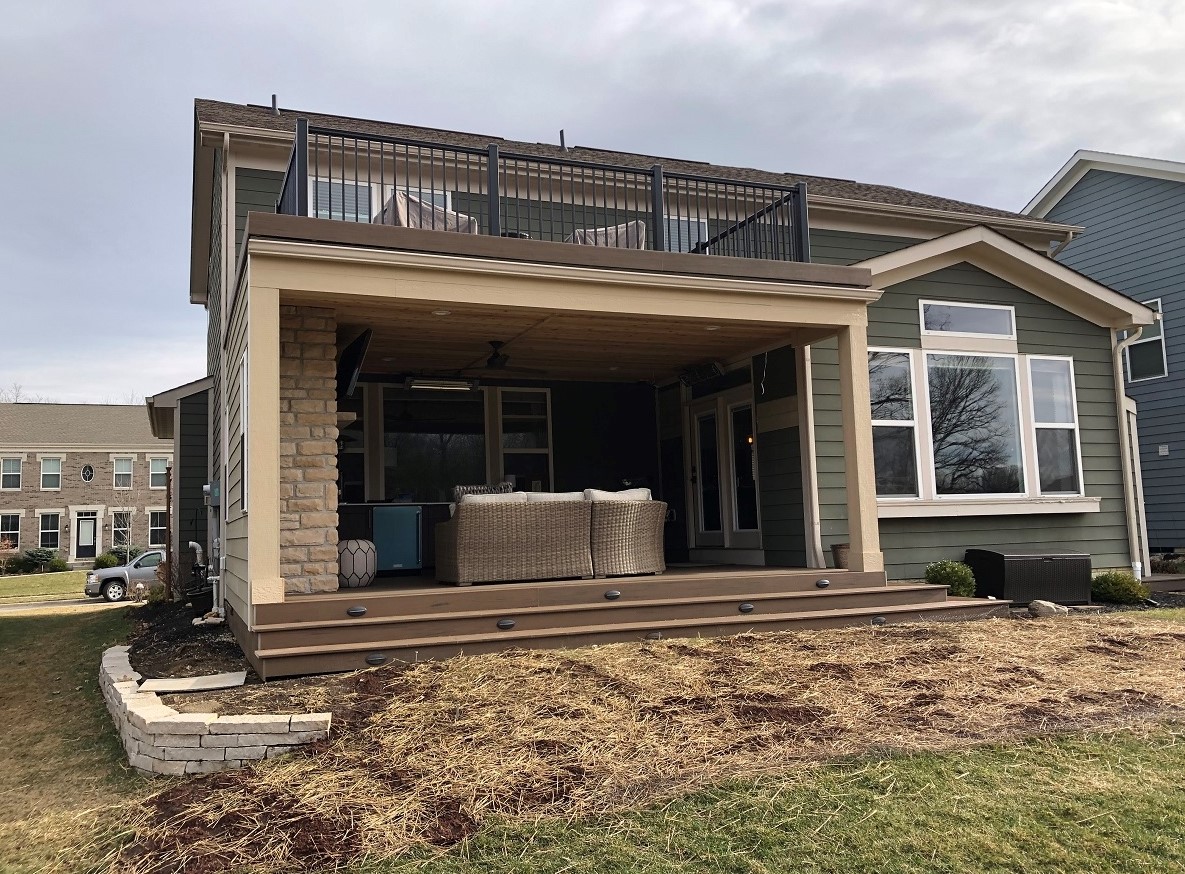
x=84, y=536
x=723, y=473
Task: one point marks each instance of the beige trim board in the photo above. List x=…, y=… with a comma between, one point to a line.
x=1084, y=160
x=1005, y=258
x=905, y=508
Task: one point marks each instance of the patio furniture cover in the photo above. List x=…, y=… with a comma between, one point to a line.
x=405, y=210
x=631, y=235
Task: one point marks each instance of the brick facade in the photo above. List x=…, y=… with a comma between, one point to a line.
x=308, y=449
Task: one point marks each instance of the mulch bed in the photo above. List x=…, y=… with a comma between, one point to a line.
x=166, y=643
x=423, y=755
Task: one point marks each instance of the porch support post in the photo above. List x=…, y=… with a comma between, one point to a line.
x=263, y=444
x=860, y=474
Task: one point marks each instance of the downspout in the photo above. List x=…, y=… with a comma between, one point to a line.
x=1131, y=507
x=1055, y=249
x=810, y=466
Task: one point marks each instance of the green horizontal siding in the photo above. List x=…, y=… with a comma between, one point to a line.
x=255, y=191
x=1042, y=328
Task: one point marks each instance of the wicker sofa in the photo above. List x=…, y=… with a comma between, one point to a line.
x=505, y=542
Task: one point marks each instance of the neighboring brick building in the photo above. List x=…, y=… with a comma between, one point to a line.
x=79, y=478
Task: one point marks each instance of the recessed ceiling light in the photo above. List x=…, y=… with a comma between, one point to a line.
x=712, y=328
x=441, y=312
x=614, y=368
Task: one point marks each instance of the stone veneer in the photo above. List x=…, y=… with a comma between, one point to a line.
x=308, y=449
x=159, y=740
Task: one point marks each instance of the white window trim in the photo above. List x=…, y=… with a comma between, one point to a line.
x=1164, y=355
x=911, y=354
x=52, y=511
x=75, y=510
x=332, y=180
x=930, y=503
x=1031, y=434
x=167, y=462
x=114, y=473
x=966, y=305
x=20, y=474
x=61, y=459
x=131, y=511
x=148, y=511
x=20, y=515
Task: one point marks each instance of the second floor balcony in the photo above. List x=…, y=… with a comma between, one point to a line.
x=347, y=176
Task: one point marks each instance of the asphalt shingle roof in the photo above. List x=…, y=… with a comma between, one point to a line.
x=217, y=112
x=33, y=425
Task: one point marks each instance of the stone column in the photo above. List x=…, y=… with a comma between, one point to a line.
x=308, y=449
x=859, y=469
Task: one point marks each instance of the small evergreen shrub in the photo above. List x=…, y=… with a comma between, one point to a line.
x=1118, y=587
x=39, y=557
x=125, y=553
x=106, y=560
x=954, y=574
x=57, y=565
x=157, y=594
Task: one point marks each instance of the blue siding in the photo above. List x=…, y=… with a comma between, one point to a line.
x=1135, y=243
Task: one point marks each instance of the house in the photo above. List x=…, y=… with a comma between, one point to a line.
x=800, y=367
x=81, y=478
x=1133, y=211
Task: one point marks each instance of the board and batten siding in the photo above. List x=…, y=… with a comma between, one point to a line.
x=1042, y=328
x=779, y=459
x=214, y=320
x=191, y=472
x=1135, y=242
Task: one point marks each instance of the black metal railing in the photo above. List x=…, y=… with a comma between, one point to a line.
x=346, y=176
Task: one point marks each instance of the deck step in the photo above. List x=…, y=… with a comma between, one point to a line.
x=273, y=662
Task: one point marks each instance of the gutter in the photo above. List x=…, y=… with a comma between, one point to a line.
x=1133, y=510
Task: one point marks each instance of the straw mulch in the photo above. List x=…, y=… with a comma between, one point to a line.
x=428, y=754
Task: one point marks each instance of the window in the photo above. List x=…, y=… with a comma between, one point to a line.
x=526, y=456
x=1056, y=422
x=50, y=530
x=341, y=200
x=684, y=234
x=123, y=473
x=432, y=441
x=10, y=474
x=88, y=473
x=967, y=320
x=121, y=528
x=158, y=473
x=51, y=474
x=894, y=439
x=157, y=523
x=10, y=531
x=1146, y=357
x=974, y=424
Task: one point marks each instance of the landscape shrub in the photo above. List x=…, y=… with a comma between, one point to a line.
x=157, y=594
x=1118, y=587
x=954, y=574
x=106, y=560
x=1167, y=565
x=125, y=553
x=39, y=557
x=57, y=565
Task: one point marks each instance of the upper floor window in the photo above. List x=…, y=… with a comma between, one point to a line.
x=342, y=200
x=10, y=473
x=1146, y=358
x=158, y=473
x=123, y=473
x=51, y=474
x=949, y=319
x=684, y=234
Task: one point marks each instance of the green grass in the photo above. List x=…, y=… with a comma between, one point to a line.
x=41, y=587
x=1103, y=803
x=60, y=755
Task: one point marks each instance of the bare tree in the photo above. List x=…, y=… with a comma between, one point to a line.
x=16, y=394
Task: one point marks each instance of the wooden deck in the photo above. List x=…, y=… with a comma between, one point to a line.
x=417, y=618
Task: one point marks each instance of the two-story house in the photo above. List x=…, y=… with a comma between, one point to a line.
x=81, y=478
x=799, y=367
x=1133, y=211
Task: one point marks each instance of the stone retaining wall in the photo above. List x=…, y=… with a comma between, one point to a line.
x=160, y=740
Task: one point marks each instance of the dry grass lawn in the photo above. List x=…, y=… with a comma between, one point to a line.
x=19, y=588
x=425, y=756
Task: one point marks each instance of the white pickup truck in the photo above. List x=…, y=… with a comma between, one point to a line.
x=114, y=583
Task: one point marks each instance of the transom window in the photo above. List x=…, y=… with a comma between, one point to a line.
x=947, y=318
x=956, y=424
x=158, y=473
x=157, y=523
x=121, y=528
x=1146, y=358
x=51, y=534
x=10, y=531
x=51, y=473
x=10, y=474
x=123, y=473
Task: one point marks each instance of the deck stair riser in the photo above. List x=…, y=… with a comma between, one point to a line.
x=448, y=600
x=305, y=659
x=545, y=619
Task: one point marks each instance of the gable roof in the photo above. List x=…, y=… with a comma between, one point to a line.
x=161, y=405
x=31, y=426
x=249, y=116
x=1013, y=262
x=1083, y=161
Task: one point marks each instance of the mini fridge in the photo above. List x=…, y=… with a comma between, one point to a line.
x=397, y=537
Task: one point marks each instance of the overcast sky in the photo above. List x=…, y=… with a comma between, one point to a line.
x=980, y=100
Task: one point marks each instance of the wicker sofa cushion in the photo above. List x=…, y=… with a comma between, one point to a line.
x=547, y=497
x=508, y=498
x=501, y=488
x=624, y=495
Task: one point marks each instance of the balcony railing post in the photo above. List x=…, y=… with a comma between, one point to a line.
x=492, y=193
x=301, y=166
x=802, y=227
x=658, y=209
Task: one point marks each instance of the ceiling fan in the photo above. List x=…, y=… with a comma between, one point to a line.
x=499, y=362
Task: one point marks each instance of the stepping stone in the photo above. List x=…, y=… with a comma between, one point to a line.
x=195, y=684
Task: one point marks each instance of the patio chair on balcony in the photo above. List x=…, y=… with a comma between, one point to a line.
x=405, y=210
x=631, y=235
